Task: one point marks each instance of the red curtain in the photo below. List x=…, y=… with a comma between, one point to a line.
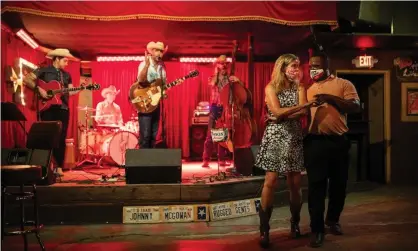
x=182, y=100
x=12, y=135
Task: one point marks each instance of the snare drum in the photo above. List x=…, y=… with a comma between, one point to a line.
x=91, y=138
x=115, y=145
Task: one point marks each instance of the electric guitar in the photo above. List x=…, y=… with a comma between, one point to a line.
x=54, y=91
x=146, y=97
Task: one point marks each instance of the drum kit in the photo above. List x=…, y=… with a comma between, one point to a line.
x=106, y=142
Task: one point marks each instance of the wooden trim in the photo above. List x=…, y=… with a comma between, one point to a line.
x=387, y=118
x=404, y=117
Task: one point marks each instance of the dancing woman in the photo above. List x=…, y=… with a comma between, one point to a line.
x=281, y=148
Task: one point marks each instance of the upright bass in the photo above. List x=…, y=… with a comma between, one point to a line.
x=236, y=100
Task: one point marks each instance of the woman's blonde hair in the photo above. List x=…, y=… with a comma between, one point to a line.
x=278, y=76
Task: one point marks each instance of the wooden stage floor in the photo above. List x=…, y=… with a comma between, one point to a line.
x=192, y=173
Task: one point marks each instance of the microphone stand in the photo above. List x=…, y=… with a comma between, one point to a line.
x=37, y=94
x=162, y=114
x=231, y=105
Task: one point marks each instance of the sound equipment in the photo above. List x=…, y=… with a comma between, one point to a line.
x=145, y=97
x=197, y=137
x=24, y=156
x=153, y=166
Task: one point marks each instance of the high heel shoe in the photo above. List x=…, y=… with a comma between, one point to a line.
x=264, y=226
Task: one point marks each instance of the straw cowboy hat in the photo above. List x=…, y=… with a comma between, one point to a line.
x=221, y=59
x=110, y=89
x=59, y=53
x=156, y=45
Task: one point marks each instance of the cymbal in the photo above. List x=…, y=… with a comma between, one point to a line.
x=86, y=108
x=102, y=116
x=108, y=125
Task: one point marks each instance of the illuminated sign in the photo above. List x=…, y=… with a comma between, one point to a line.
x=364, y=61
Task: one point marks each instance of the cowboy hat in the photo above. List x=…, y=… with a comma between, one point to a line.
x=221, y=59
x=110, y=89
x=156, y=45
x=59, y=53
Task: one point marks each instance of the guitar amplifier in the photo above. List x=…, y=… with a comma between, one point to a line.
x=201, y=120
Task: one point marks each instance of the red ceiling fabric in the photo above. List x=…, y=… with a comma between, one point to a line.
x=92, y=29
x=289, y=13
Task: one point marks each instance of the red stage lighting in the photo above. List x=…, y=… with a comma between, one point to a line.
x=119, y=58
x=200, y=60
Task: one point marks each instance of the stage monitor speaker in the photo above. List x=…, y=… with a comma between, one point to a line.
x=24, y=156
x=153, y=166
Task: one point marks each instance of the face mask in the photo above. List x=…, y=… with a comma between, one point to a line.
x=292, y=76
x=316, y=74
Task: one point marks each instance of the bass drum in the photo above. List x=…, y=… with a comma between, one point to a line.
x=115, y=145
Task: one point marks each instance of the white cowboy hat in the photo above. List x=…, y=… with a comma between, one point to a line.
x=110, y=89
x=59, y=53
x=156, y=45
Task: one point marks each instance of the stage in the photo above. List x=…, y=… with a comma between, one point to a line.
x=192, y=173
x=82, y=196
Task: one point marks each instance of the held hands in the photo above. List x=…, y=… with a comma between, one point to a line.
x=323, y=98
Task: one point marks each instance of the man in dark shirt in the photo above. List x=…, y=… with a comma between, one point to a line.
x=55, y=112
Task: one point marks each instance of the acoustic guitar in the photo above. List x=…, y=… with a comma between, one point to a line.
x=54, y=91
x=145, y=97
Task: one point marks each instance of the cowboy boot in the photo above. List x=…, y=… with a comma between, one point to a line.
x=294, y=221
x=264, y=226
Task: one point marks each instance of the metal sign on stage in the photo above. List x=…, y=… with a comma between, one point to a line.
x=165, y=214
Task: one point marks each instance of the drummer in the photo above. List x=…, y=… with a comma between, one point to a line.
x=108, y=113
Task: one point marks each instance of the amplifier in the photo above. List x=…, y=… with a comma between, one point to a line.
x=200, y=120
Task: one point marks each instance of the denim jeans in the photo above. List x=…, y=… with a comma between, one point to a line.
x=215, y=113
x=55, y=113
x=148, y=128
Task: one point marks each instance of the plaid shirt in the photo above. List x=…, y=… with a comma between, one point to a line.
x=215, y=97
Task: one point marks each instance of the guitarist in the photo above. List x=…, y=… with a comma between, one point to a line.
x=55, y=112
x=151, y=69
x=217, y=81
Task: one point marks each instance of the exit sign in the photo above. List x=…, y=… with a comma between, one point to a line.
x=364, y=61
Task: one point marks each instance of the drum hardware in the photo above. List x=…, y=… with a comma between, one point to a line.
x=86, y=130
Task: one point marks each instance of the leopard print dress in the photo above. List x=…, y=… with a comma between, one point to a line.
x=281, y=148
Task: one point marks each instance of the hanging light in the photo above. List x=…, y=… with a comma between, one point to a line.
x=200, y=60
x=27, y=39
x=120, y=58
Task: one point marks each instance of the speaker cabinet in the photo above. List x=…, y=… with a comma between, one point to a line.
x=24, y=156
x=153, y=166
x=197, y=138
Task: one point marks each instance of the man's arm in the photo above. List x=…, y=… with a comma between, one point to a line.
x=273, y=104
x=99, y=112
x=302, y=100
x=350, y=103
x=30, y=80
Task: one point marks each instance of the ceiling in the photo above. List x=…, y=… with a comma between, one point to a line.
x=88, y=39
